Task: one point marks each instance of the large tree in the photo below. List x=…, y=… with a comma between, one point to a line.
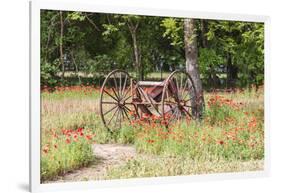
x=191, y=55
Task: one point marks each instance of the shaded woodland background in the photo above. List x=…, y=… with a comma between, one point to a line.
x=81, y=48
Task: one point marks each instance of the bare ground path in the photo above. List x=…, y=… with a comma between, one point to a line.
x=106, y=155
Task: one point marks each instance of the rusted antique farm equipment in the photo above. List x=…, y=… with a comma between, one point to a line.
x=124, y=99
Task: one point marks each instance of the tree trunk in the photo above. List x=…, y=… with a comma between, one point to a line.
x=61, y=45
x=136, y=53
x=203, y=33
x=76, y=67
x=191, y=56
x=137, y=57
x=232, y=72
x=50, y=28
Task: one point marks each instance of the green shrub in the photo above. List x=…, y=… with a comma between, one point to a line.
x=48, y=74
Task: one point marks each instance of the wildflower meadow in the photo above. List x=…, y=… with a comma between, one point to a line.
x=229, y=137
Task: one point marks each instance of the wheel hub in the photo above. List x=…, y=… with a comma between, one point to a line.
x=121, y=103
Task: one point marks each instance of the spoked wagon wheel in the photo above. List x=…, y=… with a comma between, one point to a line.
x=179, y=98
x=116, y=99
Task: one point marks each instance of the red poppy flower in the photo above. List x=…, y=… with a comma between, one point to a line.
x=221, y=142
x=46, y=149
x=80, y=129
x=55, y=135
x=150, y=141
x=67, y=141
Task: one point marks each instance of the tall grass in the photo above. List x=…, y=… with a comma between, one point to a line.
x=175, y=166
x=231, y=132
x=230, y=138
x=227, y=132
x=64, y=150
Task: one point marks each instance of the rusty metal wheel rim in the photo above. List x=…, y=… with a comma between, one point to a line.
x=178, y=105
x=118, y=101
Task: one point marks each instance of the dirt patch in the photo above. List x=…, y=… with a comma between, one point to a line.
x=110, y=156
x=106, y=156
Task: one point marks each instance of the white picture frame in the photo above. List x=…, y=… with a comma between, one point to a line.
x=89, y=6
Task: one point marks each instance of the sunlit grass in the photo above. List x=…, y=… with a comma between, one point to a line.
x=176, y=166
x=229, y=138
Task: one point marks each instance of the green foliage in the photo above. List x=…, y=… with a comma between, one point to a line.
x=109, y=29
x=233, y=49
x=100, y=63
x=48, y=74
x=240, y=43
x=76, y=16
x=250, y=55
x=173, y=31
x=209, y=60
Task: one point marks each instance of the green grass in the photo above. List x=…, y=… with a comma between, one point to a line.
x=227, y=132
x=229, y=138
x=176, y=166
x=157, y=75
x=63, y=152
x=71, y=92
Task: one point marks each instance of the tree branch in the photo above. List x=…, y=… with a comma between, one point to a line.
x=93, y=23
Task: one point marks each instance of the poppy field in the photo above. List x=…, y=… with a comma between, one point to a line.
x=229, y=137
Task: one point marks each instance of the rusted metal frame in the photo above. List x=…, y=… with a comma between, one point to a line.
x=176, y=88
x=171, y=109
x=148, y=98
x=139, y=95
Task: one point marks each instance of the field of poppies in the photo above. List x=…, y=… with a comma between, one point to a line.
x=229, y=138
